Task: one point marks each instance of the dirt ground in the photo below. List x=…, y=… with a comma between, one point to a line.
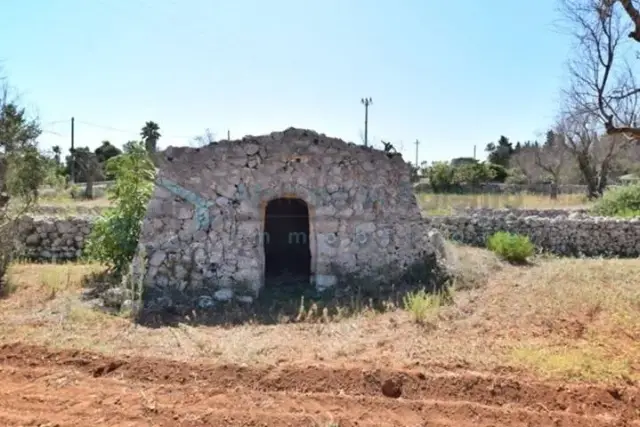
x=41, y=387
x=554, y=343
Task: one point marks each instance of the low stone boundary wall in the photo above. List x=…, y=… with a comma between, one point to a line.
x=499, y=188
x=49, y=239
x=544, y=213
x=570, y=233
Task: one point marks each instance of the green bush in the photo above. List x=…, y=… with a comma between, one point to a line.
x=511, y=247
x=114, y=237
x=621, y=201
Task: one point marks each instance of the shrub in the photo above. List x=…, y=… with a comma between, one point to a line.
x=621, y=201
x=114, y=237
x=511, y=247
x=424, y=306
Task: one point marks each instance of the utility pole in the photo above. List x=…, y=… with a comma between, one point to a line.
x=73, y=154
x=366, y=102
x=474, y=152
x=228, y=135
x=417, y=143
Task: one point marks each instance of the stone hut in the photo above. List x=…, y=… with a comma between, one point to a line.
x=226, y=218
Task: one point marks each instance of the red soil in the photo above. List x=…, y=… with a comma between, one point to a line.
x=41, y=387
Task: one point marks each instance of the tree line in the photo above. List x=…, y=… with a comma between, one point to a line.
x=85, y=166
x=595, y=137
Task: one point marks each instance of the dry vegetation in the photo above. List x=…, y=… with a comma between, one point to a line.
x=553, y=342
x=559, y=318
x=432, y=204
x=445, y=204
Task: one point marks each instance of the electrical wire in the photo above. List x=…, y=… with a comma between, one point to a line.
x=128, y=131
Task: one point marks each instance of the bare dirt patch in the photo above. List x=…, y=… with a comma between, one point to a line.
x=77, y=388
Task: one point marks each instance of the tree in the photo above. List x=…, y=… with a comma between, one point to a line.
x=131, y=146
x=549, y=138
x=499, y=173
x=500, y=153
x=458, y=161
x=473, y=175
x=441, y=177
x=87, y=164
x=21, y=169
x=105, y=151
x=114, y=236
x=594, y=153
x=444, y=177
x=56, y=154
x=414, y=173
x=602, y=81
x=22, y=166
x=207, y=138
x=150, y=134
x=524, y=162
x=552, y=158
x=84, y=161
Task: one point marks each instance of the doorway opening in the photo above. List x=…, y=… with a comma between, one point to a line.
x=286, y=240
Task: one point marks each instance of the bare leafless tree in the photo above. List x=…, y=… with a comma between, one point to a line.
x=553, y=159
x=602, y=81
x=205, y=139
x=594, y=153
x=524, y=160
x=602, y=97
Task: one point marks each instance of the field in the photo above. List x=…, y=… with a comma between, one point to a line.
x=445, y=204
x=553, y=343
x=60, y=202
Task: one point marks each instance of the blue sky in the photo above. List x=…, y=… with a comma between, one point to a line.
x=452, y=74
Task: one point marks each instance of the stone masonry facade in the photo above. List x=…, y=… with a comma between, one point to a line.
x=203, y=231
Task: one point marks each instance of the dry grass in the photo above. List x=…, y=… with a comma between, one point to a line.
x=558, y=318
x=58, y=201
x=445, y=204
x=432, y=204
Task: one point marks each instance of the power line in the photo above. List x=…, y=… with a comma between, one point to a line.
x=56, y=122
x=52, y=132
x=137, y=132
x=105, y=127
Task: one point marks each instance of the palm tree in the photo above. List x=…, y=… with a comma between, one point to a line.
x=150, y=135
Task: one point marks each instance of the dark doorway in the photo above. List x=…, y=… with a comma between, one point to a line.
x=286, y=242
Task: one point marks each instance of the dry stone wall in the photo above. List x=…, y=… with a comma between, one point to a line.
x=203, y=231
x=49, y=239
x=52, y=238
x=544, y=213
x=566, y=233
